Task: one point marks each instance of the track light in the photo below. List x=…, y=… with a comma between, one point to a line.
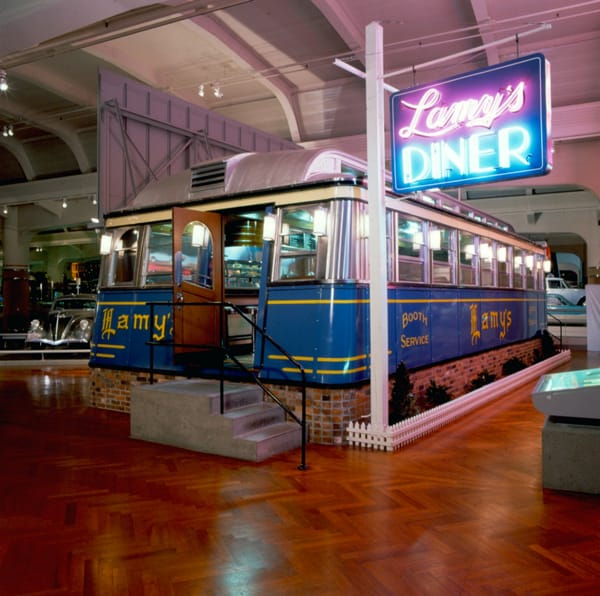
x=5, y=210
x=7, y=131
x=213, y=88
x=64, y=203
x=3, y=81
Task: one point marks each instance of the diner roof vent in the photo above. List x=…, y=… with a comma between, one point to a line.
x=209, y=175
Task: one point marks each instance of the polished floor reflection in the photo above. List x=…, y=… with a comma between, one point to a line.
x=84, y=509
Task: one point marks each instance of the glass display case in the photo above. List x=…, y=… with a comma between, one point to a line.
x=573, y=394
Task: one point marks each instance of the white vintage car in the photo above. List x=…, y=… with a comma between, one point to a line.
x=68, y=325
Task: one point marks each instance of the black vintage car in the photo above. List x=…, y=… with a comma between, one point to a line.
x=68, y=324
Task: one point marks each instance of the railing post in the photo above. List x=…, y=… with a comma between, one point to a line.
x=223, y=346
x=151, y=345
x=302, y=465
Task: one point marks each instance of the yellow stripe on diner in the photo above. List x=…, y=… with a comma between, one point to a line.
x=295, y=370
x=437, y=300
x=361, y=301
x=96, y=355
x=405, y=301
x=341, y=372
x=111, y=346
x=342, y=359
x=323, y=358
x=121, y=303
x=280, y=357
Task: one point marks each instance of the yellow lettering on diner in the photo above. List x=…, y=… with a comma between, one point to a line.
x=407, y=341
x=107, y=329
x=141, y=321
x=411, y=317
x=475, y=333
x=160, y=325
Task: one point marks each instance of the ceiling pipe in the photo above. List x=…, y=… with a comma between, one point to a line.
x=359, y=73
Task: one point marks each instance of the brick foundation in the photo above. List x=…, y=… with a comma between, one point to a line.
x=329, y=411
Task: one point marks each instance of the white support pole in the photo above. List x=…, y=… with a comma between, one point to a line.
x=377, y=233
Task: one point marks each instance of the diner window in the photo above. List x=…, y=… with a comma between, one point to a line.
x=530, y=271
x=441, y=248
x=159, y=260
x=124, y=257
x=468, y=261
x=301, y=228
x=486, y=261
x=540, y=274
x=411, y=250
x=518, y=269
x=503, y=263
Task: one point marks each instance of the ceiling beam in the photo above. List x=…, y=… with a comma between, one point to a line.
x=52, y=125
x=482, y=16
x=17, y=149
x=38, y=191
x=61, y=85
x=336, y=12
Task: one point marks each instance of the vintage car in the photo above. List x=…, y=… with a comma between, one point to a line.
x=561, y=311
x=68, y=324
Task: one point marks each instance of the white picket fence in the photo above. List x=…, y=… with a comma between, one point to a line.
x=363, y=434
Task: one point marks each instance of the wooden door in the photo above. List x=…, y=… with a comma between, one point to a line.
x=198, y=283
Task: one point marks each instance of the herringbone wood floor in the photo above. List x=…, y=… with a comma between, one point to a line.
x=86, y=510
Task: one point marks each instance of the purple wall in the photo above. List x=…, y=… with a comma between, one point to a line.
x=145, y=134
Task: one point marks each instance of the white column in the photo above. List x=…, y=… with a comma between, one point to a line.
x=377, y=231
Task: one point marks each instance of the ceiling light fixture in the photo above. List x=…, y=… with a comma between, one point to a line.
x=201, y=90
x=217, y=91
x=64, y=203
x=5, y=210
x=3, y=81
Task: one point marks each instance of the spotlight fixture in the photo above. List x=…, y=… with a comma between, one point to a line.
x=5, y=210
x=201, y=90
x=3, y=81
x=7, y=131
x=217, y=91
x=64, y=203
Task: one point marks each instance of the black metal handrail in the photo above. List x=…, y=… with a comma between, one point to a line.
x=224, y=348
x=560, y=327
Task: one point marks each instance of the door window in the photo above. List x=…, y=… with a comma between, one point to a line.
x=194, y=263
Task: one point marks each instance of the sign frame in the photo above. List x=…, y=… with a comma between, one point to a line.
x=486, y=125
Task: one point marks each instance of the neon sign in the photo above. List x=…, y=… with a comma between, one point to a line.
x=488, y=125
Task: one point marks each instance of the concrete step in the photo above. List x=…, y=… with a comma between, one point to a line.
x=236, y=395
x=273, y=439
x=186, y=413
x=252, y=417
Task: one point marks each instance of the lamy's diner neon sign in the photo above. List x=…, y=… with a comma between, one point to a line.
x=488, y=125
